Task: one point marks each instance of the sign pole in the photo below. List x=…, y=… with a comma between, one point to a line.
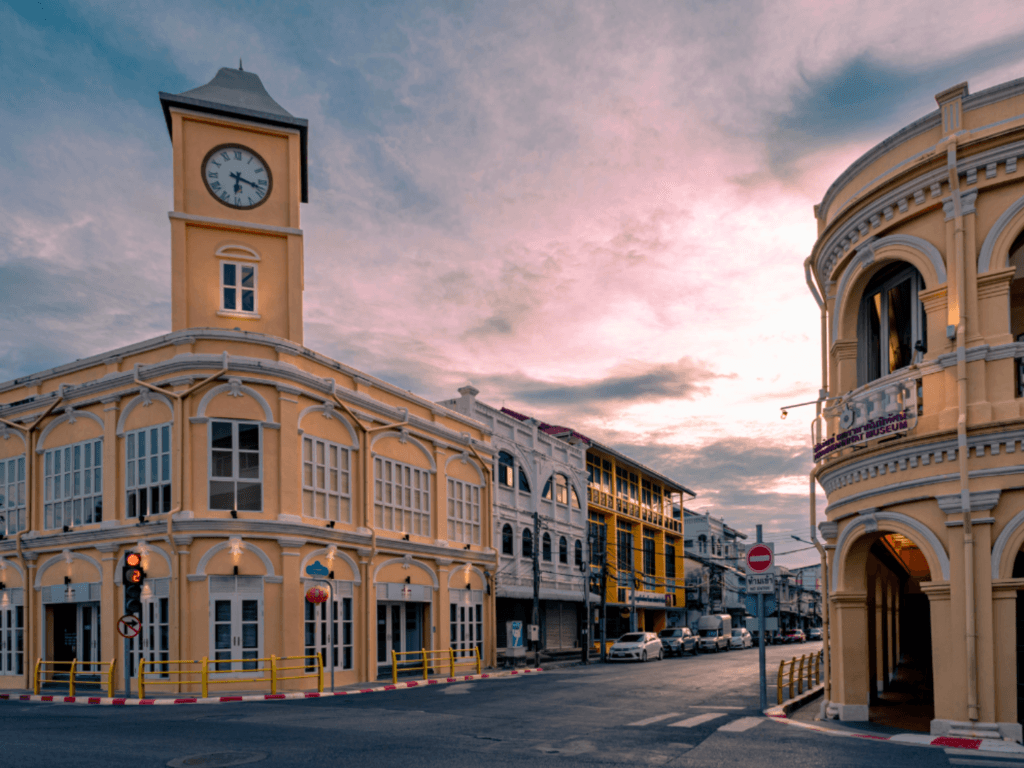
x=127, y=671
x=760, y=640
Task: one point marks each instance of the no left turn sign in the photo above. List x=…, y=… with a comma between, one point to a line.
x=761, y=559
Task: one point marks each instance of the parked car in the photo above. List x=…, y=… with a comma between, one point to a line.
x=636, y=646
x=740, y=638
x=814, y=634
x=676, y=641
x=714, y=632
x=794, y=636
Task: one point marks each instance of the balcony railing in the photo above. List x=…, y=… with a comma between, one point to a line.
x=633, y=509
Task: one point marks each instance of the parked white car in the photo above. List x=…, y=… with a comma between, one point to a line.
x=741, y=638
x=636, y=646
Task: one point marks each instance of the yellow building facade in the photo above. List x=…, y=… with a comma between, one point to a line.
x=636, y=532
x=918, y=271
x=245, y=467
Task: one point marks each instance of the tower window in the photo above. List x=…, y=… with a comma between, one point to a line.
x=891, y=325
x=238, y=287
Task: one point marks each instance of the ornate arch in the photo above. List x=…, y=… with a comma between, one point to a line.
x=328, y=411
x=149, y=549
x=404, y=437
x=462, y=569
x=145, y=398
x=895, y=522
x=248, y=546
x=465, y=458
x=1006, y=547
x=70, y=416
x=915, y=251
x=406, y=562
x=236, y=388
x=1000, y=237
x=5, y=563
x=62, y=557
x=6, y=432
x=339, y=554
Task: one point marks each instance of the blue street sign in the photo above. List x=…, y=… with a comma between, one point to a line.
x=769, y=605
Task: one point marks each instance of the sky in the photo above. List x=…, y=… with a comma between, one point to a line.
x=597, y=213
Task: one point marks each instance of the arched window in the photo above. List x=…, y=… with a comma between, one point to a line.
x=579, y=553
x=891, y=323
x=527, y=543
x=505, y=476
x=506, y=539
x=1017, y=287
x=524, y=483
x=545, y=551
x=561, y=489
x=563, y=550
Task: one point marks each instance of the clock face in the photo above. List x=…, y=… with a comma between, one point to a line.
x=237, y=176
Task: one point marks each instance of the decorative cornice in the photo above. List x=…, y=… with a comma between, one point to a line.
x=233, y=224
x=980, y=501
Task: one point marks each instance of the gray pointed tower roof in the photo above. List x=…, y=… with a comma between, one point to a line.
x=236, y=93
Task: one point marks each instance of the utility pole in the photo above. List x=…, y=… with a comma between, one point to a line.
x=536, y=583
x=604, y=603
x=585, y=566
x=761, y=623
x=632, y=606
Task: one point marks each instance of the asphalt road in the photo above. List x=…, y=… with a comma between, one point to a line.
x=698, y=711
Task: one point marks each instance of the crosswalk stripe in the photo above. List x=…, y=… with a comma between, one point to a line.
x=715, y=706
x=1004, y=763
x=690, y=722
x=655, y=719
x=742, y=724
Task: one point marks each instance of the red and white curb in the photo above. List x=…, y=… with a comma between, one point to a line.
x=919, y=739
x=117, y=702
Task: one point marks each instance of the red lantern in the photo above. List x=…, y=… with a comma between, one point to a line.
x=317, y=595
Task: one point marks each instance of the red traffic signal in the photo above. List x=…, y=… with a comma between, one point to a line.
x=133, y=559
x=132, y=577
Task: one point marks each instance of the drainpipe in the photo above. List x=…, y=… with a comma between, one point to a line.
x=822, y=394
x=961, y=429
x=28, y=591
x=179, y=466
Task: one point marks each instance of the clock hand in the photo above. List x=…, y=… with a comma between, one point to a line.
x=238, y=177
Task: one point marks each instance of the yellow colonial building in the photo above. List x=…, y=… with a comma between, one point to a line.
x=244, y=467
x=919, y=273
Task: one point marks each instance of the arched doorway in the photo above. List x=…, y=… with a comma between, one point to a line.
x=884, y=632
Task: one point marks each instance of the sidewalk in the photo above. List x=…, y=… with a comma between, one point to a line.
x=803, y=712
x=243, y=696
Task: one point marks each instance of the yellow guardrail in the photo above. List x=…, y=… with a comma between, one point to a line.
x=434, y=659
x=801, y=668
x=75, y=671
x=205, y=673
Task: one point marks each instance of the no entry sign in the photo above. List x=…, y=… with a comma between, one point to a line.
x=761, y=559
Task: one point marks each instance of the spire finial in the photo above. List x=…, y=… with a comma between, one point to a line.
x=240, y=66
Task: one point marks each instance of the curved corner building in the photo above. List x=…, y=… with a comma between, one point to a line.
x=920, y=260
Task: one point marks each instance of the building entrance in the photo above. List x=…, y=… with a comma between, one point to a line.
x=75, y=633
x=399, y=629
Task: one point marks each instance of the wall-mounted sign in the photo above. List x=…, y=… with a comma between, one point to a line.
x=890, y=424
x=648, y=599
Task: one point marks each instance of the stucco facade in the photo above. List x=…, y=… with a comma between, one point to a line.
x=918, y=268
x=244, y=466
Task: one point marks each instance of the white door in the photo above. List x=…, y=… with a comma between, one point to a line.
x=466, y=622
x=236, y=623
x=12, y=642
x=88, y=637
x=399, y=629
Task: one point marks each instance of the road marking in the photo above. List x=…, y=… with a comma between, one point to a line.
x=650, y=720
x=1006, y=763
x=743, y=724
x=690, y=722
x=715, y=706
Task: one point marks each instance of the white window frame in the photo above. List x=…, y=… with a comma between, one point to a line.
x=239, y=664
x=401, y=497
x=12, y=495
x=12, y=633
x=464, y=511
x=917, y=322
x=141, y=494
x=238, y=289
x=314, y=627
x=319, y=500
x=63, y=507
x=465, y=622
x=153, y=641
x=235, y=477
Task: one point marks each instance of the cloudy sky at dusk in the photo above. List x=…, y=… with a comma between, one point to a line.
x=596, y=212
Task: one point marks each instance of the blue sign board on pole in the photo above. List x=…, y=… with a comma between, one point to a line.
x=769, y=605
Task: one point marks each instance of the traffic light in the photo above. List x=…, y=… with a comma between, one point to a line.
x=132, y=578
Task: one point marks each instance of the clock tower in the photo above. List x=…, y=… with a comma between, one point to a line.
x=239, y=176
